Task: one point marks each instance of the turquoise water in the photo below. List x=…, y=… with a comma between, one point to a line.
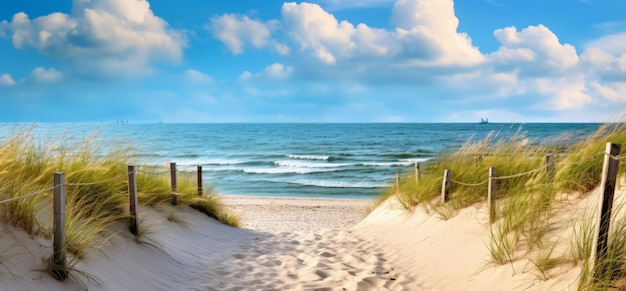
x=315, y=160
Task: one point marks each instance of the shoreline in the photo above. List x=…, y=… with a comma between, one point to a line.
x=329, y=197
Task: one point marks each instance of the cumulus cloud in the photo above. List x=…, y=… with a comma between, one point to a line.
x=6, y=80
x=535, y=50
x=318, y=31
x=237, y=32
x=428, y=31
x=111, y=37
x=195, y=76
x=425, y=35
x=45, y=76
x=603, y=65
x=567, y=94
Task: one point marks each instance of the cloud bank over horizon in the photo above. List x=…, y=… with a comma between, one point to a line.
x=306, y=63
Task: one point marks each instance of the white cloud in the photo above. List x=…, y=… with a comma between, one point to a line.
x=43, y=76
x=195, y=76
x=614, y=44
x=278, y=71
x=314, y=29
x=535, y=49
x=565, y=93
x=596, y=57
x=111, y=37
x=426, y=35
x=606, y=66
x=428, y=31
x=274, y=71
x=614, y=92
x=6, y=80
x=236, y=31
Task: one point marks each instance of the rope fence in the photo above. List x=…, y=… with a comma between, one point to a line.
x=58, y=267
x=609, y=184
x=28, y=195
x=534, y=171
x=469, y=184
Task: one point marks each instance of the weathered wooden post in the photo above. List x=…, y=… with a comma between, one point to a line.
x=445, y=185
x=605, y=207
x=417, y=173
x=132, y=197
x=397, y=182
x=174, y=184
x=550, y=167
x=200, y=190
x=491, y=200
x=58, y=268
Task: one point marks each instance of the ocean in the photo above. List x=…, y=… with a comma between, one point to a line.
x=300, y=160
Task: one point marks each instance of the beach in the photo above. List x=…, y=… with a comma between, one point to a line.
x=290, y=214
x=288, y=243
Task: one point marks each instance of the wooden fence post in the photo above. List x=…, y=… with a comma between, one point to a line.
x=550, y=167
x=174, y=183
x=132, y=196
x=200, y=189
x=445, y=185
x=491, y=200
x=58, y=268
x=417, y=173
x=397, y=182
x=605, y=206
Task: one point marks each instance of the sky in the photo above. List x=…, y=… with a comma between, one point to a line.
x=317, y=61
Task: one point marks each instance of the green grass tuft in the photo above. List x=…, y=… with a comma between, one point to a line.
x=523, y=203
x=581, y=169
x=96, y=188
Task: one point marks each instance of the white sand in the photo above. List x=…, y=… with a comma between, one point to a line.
x=291, y=244
x=288, y=214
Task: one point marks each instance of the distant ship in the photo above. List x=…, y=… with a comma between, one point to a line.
x=484, y=121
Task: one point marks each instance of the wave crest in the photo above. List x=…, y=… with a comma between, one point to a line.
x=309, y=157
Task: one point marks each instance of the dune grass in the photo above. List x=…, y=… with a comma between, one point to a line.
x=96, y=187
x=525, y=193
x=610, y=271
x=581, y=168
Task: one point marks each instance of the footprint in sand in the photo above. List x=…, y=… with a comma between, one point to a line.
x=326, y=260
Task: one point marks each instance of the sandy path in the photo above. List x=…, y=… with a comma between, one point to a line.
x=289, y=214
x=304, y=244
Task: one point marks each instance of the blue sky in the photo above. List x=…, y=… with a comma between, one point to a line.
x=317, y=61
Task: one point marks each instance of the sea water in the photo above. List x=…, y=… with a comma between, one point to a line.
x=313, y=160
